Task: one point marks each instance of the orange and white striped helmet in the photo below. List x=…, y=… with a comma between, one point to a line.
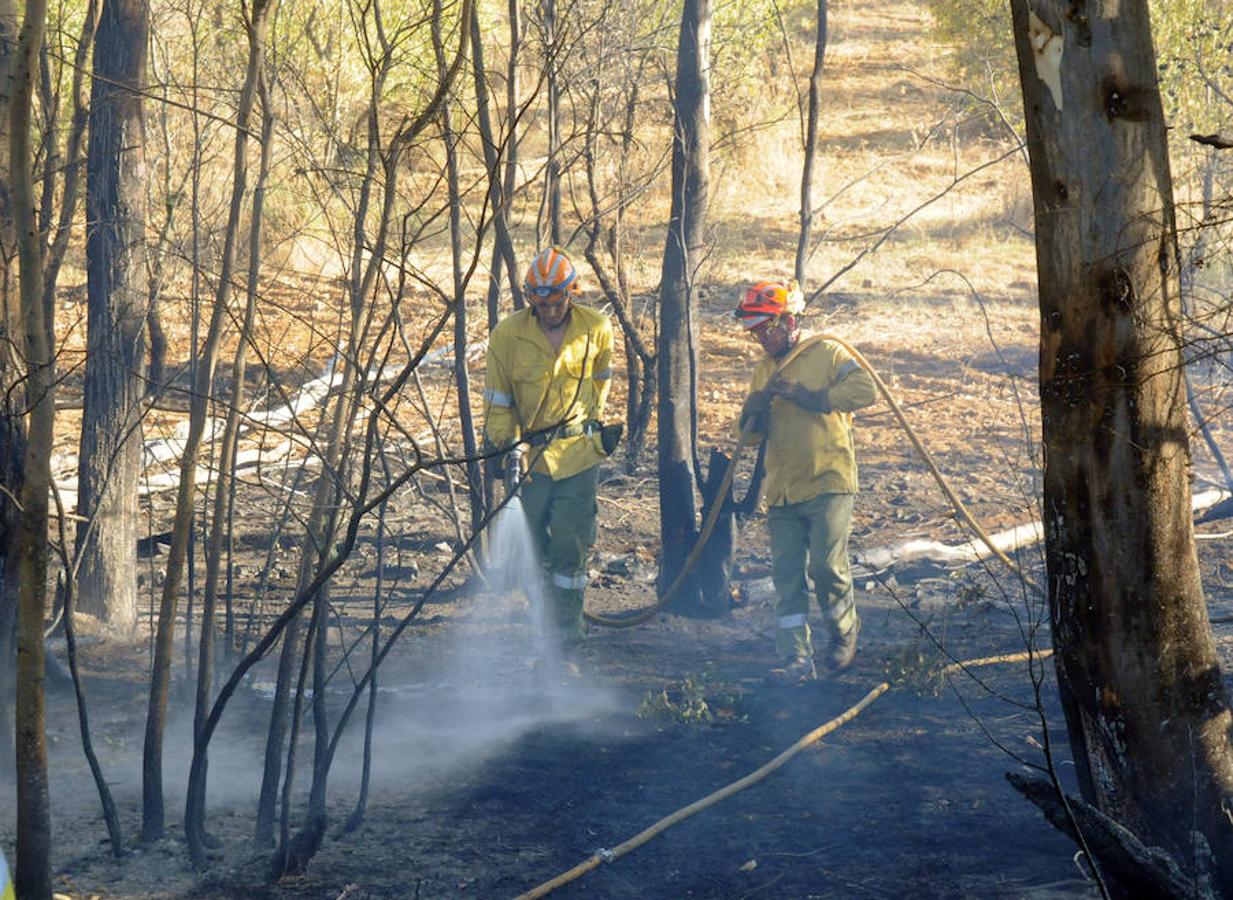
x=551, y=276
x=768, y=300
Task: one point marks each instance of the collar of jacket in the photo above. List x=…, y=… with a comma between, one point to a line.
x=527, y=327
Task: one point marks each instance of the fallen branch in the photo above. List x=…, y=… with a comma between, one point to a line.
x=1138, y=870
x=1212, y=504
x=163, y=454
x=1219, y=141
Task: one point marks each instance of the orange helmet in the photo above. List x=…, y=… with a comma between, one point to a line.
x=768, y=300
x=550, y=275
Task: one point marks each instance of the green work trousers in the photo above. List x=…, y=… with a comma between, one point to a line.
x=811, y=538
x=561, y=515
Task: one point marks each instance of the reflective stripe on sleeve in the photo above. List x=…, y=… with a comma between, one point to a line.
x=499, y=398
x=569, y=582
x=797, y=621
x=604, y=375
x=846, y=369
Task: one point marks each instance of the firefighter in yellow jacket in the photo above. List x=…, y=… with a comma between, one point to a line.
x=549, y=371
x=806, y=420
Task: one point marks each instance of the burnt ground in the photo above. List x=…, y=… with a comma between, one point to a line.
x=488, y=798
x=486, y=785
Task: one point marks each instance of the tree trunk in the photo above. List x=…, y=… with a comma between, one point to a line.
x=153, y=816
x=220, y=521
x=338, y=552
x=639, y=358
x=116, y=282
x=718, y=557
x=61, y=231
x=33, y=876
x=510, y=178
x=370, y=718
x=552, y=167
x=811, y=145
x=1140, y=682
x=499, y=196
x=462, y=381
x=276, y=733
x=381, y=173
x=12, y=423
x=682, y=249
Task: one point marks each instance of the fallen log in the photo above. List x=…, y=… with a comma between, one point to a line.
x=169, y=479
x=1130, y=868
x=164, y=453
x=1018, y=538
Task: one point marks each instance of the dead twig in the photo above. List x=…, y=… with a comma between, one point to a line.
x=1218, y=141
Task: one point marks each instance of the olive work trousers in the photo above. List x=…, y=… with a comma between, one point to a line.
x=811, y=538
x=561, y=515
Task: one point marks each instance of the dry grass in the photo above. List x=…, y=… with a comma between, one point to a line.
x=890, y=142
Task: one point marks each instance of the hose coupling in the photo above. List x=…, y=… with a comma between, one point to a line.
x=605, y=854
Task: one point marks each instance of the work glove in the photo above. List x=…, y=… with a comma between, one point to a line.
x=610, y=436
x=815, y=401
x=512, y=466
x=754, y=412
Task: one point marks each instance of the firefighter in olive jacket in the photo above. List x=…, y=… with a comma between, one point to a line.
x=549, y=372
x=805, y=417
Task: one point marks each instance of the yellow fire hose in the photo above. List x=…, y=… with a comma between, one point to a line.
x=743, y=442
x=600, y=857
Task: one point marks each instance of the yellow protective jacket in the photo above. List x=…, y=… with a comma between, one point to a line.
x=529, y=386
x=810, y=453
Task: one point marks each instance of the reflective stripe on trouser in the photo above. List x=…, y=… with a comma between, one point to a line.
x=811, y=538
x=562, y=519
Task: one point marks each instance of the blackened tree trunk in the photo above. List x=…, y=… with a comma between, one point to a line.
x=380, y=178
x=12, y=422
x=33, y=876
x=153, y=818
x=220, y=525
x=116, y=275
x=276, y=734
x=369, y=254
x=682, y=250
x=811, y=144
x=1145, y=706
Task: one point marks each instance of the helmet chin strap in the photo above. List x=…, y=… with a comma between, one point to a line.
x=788, y=323
x=567, y=303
